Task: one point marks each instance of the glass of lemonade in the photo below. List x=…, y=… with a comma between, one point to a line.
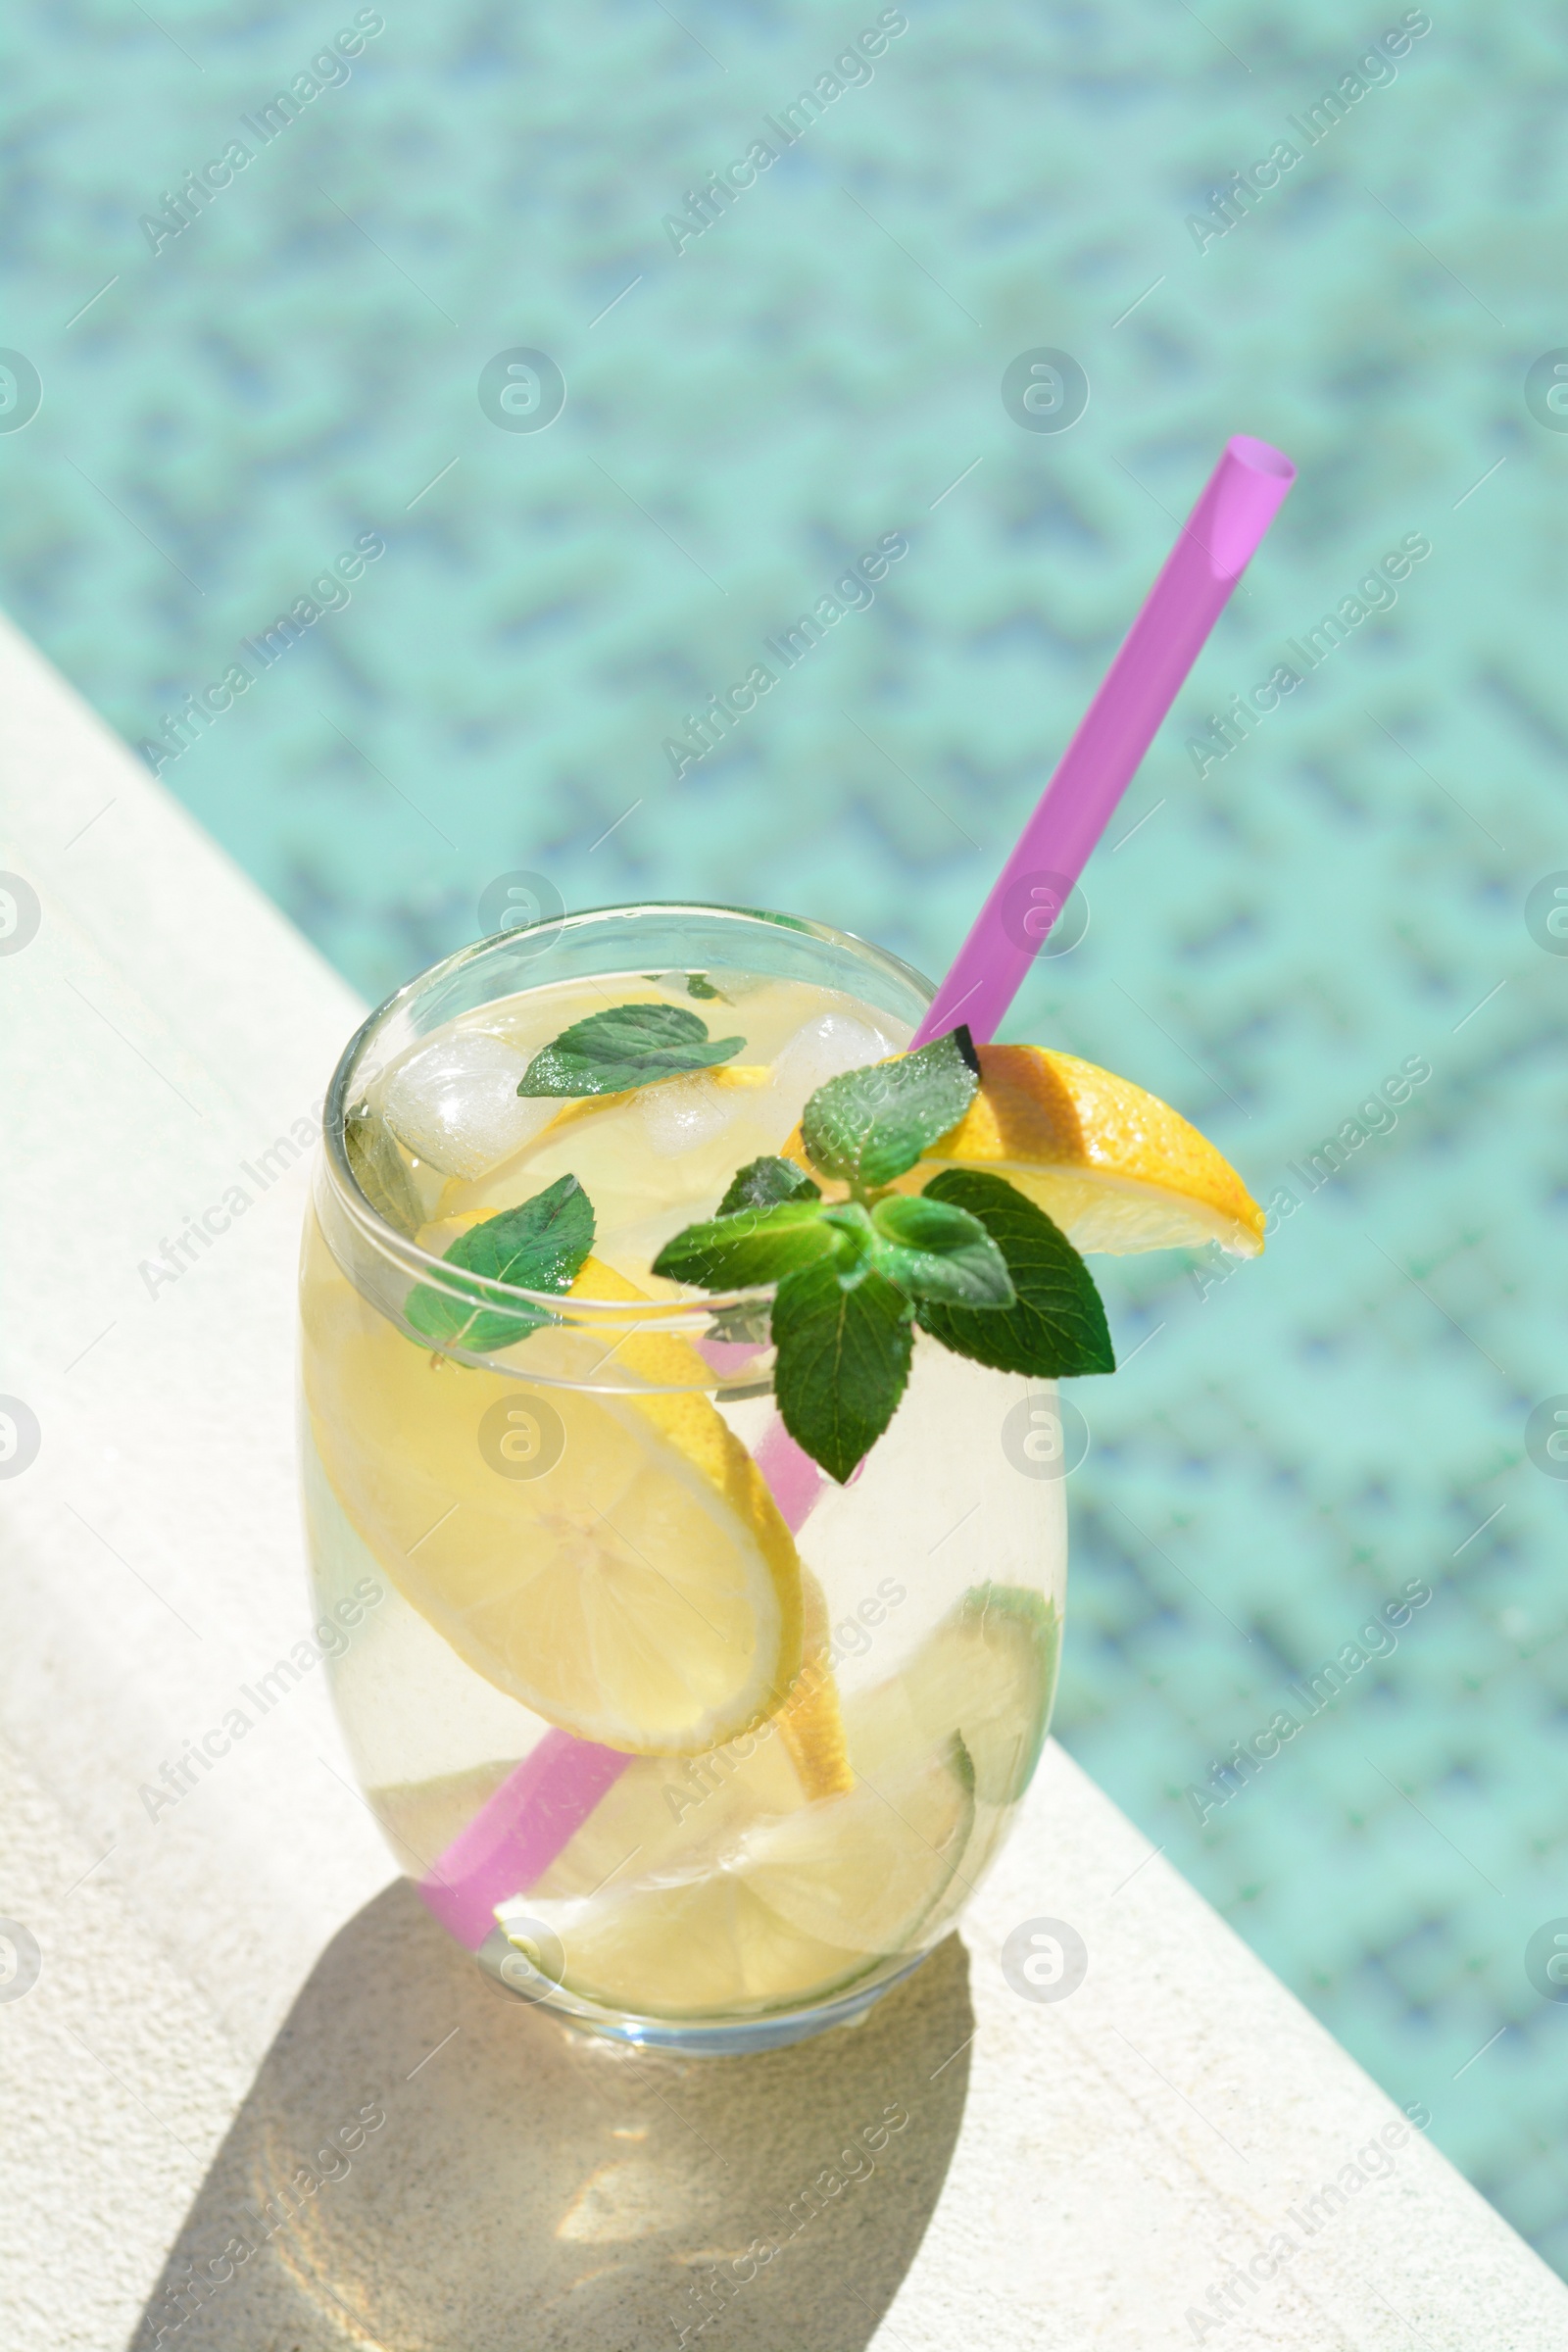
x=681, y=1738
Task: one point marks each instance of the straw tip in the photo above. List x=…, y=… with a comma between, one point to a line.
x=1261, y=457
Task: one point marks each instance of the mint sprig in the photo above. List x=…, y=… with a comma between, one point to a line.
x=629, y=1046
x=970, y=1259
x=539, y=1245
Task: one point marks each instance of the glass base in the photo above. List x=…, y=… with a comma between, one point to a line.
x=687, y=2041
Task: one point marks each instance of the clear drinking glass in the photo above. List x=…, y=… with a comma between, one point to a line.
x=699, y=1756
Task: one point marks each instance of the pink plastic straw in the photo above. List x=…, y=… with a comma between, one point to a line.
x=1223, y=533
x=513, y=1837
x=517, y=1832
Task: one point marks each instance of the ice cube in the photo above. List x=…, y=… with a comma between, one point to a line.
x=454, y=1103
x=822, y=1049
x=681, y=1113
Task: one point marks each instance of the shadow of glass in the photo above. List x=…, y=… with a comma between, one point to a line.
x=425, y=2162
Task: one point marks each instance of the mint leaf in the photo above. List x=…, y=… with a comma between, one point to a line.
x=380, y=1172
x=763, y=1182
x=743, y=1326
x=935, y=1251
x=754, y=1245
x=1056, y=1327
x=841, y=1364
x=630, y=1045
x=539, y=1245
x=870, y=1125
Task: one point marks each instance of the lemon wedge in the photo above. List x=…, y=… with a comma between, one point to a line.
x=1117, y=1169
x=641, y=1591
x=793, y=1909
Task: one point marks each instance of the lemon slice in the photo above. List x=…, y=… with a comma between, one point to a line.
x=1117, y=1169
x=670, y=1815
x=986, y=1675
x=793, y=1909
x=641, y=1591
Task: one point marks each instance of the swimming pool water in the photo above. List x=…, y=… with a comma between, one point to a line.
x=1347, y=893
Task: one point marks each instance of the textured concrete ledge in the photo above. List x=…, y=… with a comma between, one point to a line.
x=225, y=1981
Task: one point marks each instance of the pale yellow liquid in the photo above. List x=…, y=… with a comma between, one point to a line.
x=436, y=1702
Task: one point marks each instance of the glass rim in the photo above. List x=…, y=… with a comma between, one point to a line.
x=692, y=1315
